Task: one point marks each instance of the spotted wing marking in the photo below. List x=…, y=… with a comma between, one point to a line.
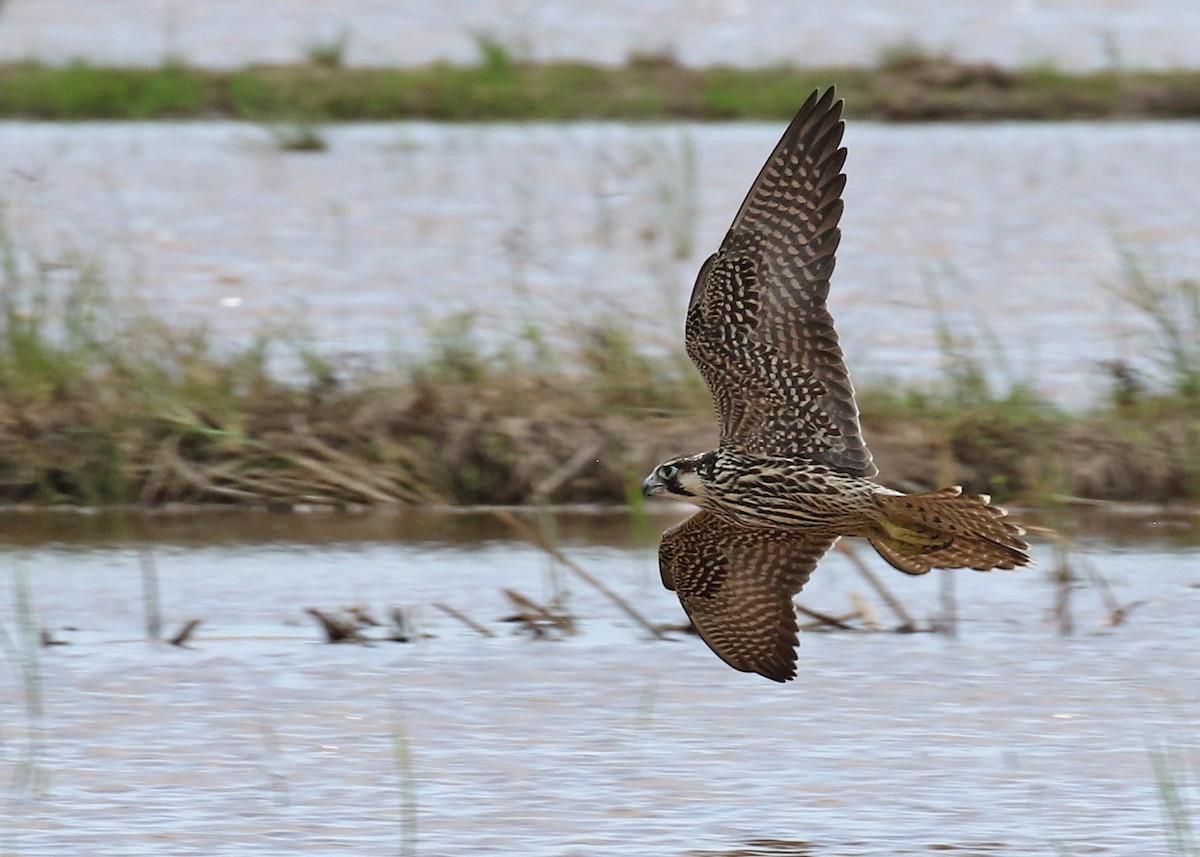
x=757, y=325
x=737, y=584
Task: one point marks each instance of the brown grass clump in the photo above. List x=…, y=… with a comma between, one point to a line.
x=517, y=438
x=98, y=407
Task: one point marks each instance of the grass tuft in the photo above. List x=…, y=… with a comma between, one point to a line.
x=1179, y=797
x=1171, y=310
x=298, y=137
x=21, y=650
x=100, y=403
x=495, y=57
x=329, y=52
x=909, y=84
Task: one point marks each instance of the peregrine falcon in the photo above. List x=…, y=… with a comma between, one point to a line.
x=792, y=473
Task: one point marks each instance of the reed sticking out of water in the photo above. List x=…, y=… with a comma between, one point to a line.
x=181, y=637
x=151, y=603
x=535, y=538
x=1117, y=612
x=537, y=618
x=824, y=620
x=1065, y=580
x=409, y=810
x=1064, y=583
x=907, y=623
x=338, y=629
x=21, y=649
x=276, y=779
x=465, y=619
x=354, y=624
x=100, y=404
x=947, y=622
x=1179, y=796
x=646, y=700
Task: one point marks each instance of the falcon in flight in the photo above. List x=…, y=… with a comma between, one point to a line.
x=792, y=473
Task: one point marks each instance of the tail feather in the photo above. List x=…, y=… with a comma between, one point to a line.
x=945, y=529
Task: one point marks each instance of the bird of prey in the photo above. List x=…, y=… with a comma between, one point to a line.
x=792, y=473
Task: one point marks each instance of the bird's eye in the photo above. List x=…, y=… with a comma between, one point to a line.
x=668, y=471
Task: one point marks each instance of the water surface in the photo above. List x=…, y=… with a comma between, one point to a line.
x=261, y=739
x=1080, y=34
x=1008, y=236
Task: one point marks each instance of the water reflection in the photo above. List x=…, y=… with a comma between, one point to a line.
x=764, y=848
x=784, y=848
x=1125, y=527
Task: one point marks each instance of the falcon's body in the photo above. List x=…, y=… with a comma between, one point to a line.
x=792, y=472
x=774, y=492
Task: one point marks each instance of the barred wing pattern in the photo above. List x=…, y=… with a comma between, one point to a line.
x=737, y=584
x=757, y=326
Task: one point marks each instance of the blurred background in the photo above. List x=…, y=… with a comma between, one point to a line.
x=224, y=34
x=361, y=323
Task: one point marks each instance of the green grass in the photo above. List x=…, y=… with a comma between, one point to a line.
x=1179, y=797
x=906, y=86
x=1171, y=310
x=79, y=91
x=102, y=403
x=329, y=52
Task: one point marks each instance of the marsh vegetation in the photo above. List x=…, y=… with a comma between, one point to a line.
x=907, y=85
x=101, y=402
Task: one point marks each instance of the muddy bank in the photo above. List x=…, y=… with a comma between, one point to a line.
x=518, y=438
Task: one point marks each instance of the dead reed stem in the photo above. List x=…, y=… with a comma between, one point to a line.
x=948, y=621
x=1117, y=612
x=535, y=538
x=866, y=612
x=185, y=633
x=822, y=621
x=1063, y=583
x=582, y=457
x=337, y=630
x=150, y=596
x=532, y=610
x=826, y=619
x=907, y=623
x=465, y=619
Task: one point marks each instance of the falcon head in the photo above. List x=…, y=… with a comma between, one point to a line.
x=681, y=477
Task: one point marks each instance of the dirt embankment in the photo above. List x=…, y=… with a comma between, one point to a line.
x=531, y=440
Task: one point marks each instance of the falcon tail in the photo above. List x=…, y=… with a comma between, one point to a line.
x=945, y=529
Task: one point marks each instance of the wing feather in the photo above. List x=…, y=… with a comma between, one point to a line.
x=736, y=585
x=757, y=325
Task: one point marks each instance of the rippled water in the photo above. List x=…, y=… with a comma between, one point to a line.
x=1009, y=233
x=260, y=739
x=1077, y=34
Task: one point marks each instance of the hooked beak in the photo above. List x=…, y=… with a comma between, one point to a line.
x=652, y=486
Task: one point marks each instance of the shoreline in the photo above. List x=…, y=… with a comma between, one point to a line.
x=905, y=87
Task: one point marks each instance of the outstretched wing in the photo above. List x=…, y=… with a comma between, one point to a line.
x=757, y=326
x=736, y=585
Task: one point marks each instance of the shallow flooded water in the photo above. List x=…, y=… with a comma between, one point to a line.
x=1085, y=34
x=1007, y=236
x=259, y=738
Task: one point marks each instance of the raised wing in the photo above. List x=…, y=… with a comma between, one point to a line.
x=757, y=326
x=736, y=585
